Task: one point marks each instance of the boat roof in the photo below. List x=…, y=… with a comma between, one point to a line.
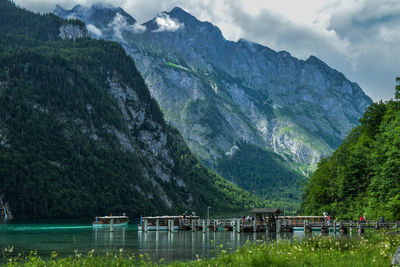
x=171, y=217
x=112, y=217
x=266, y=210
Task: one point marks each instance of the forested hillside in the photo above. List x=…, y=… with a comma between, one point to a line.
x=262, y=173
x=363, y=174
x=80, y=135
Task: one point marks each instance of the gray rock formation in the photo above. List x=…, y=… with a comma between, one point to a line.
x=73, y=32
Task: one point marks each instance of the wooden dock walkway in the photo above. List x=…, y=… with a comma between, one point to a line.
x=278, y=226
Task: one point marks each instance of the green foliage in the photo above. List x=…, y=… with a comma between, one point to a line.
x=176, y=66
x=362, y=176
x=263, y=173
x=59, y=152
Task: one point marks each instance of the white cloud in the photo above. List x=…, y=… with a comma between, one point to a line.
x=138, y=28
x=94, y=30
x=120, y=24
x=165, y=23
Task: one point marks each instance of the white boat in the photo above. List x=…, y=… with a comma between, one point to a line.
x=106, y=221
x=160, y=223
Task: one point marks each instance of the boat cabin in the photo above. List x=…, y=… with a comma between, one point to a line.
x=106, y=220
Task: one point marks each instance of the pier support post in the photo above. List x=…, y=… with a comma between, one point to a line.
x=112, y=225
x=360, y=229
x=238, y=226
x=254, y=226
x=278, y=226
x=145, y=225
x=170, y=226
x=215, y=225
x=157, y=225
x=204, y=226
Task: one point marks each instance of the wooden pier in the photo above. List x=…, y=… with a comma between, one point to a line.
x=264, y=220
x=280, y=226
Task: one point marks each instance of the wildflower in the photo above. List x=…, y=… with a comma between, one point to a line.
x=121, y=250
x=54, y=255
x=90, y=253
x=9, y=249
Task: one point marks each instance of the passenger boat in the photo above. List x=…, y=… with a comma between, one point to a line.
x=105, y=221
x=160, y=223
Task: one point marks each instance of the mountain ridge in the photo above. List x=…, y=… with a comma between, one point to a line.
x=218, y=92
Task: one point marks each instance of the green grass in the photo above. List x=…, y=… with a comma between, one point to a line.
x=176, y=66
x=371, y=250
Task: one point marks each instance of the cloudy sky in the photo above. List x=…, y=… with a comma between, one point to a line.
x=357, y=37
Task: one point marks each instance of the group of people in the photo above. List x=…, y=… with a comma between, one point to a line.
x=248, y=218
x=363, y=219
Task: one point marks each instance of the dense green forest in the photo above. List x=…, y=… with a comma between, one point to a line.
x=263, y=173
x=60, y=156
x=362, y=177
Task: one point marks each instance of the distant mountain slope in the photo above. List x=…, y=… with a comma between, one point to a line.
x=218, y=92
x=362, y=176
x=81, y=136
x=263, y=173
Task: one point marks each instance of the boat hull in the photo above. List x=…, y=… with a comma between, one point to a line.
x=107, y=225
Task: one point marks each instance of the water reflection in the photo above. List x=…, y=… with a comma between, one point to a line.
x=170, y=246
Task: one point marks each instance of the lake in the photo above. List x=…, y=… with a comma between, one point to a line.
x=65, y=239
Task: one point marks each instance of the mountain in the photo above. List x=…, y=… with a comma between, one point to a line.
x=81, y=136
x=362, y=176
x=218, y=92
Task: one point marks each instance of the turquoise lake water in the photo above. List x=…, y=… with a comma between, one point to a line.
x=65, y=239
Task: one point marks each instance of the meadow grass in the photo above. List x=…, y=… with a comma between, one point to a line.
x=371, y=250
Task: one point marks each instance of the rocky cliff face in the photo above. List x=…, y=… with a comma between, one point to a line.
x=218, y=92
x=73, y=32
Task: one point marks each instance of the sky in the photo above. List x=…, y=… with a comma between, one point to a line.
x=359, y=38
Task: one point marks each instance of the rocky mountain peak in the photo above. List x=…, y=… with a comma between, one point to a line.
x=98, y=14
